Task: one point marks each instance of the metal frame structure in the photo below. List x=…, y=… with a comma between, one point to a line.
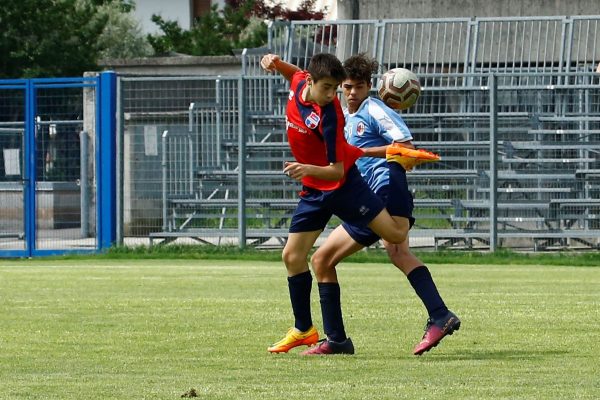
x=32, y=240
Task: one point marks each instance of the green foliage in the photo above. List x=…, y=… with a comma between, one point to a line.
x=124, y=6
x=62, y=37
x=238, y=25
x=216, y=33
x=48, y=38
x=122, y=37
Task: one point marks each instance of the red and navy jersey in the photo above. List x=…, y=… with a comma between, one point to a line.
x=316, y=134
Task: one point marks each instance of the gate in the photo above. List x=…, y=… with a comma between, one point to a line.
x=54, y=136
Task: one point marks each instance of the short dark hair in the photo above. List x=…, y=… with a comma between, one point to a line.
x=360, y=67
x=324, y=65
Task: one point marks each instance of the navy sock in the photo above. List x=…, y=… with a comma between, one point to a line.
x=421, y=280
x=331, y=308
x=399, y=200
x=299, y=287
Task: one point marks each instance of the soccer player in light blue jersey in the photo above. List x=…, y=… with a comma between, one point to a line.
x=373, y=126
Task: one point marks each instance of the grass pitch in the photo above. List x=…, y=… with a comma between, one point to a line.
x=154, y=329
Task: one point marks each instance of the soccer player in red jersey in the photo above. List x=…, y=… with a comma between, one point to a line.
x=332, y=185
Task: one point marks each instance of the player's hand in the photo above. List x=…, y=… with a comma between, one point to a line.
x=294, y=170
x=268, y=62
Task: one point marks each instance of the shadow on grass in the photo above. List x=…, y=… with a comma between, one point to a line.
x=483, y=354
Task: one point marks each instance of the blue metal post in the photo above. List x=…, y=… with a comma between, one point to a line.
x=106, y=160
x=30, y=172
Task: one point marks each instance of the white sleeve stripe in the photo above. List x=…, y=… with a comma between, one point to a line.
x=395, y=127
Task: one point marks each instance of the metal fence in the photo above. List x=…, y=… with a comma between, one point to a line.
x=48, y=185
x=520, y=164
x=445, y=45
x=504, y=102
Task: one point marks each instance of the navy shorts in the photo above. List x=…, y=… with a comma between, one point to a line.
x=364, y=235
x=354, y=203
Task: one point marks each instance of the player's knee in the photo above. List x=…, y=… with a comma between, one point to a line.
x=319, y=263
x=398, y=236
x=292, y=259
x=398, y=253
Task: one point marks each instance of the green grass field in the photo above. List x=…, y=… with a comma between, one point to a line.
x=153, y=329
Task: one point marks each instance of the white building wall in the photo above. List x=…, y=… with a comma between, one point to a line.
x=385, y=9
x=172, y=10
x=319, y=5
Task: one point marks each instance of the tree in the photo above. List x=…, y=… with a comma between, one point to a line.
x=57, y=37
x=122, y=36
x=238, y=25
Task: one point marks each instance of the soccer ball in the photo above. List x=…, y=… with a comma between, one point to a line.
x=399, y=88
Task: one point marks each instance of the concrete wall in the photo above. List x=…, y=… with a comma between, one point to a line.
x=57, y=204
x=385, y=9
x=182, y=65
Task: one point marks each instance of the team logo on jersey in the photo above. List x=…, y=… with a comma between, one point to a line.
x=312, y=121
x=360, y=128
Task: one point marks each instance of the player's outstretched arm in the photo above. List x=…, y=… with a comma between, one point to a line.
x=331, y=172
x=272, y=63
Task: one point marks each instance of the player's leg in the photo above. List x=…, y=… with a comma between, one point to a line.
x=308, y=221
x=401, y=256
x=441, y=321
x=356, y=203
x=295, y=255
x=339, y=245
x=394, y=229
x=342, y=242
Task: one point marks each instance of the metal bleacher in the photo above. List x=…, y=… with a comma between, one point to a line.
x=518, y=129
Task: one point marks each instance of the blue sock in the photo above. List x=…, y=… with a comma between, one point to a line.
x=421, y=280
x=299, y=287
x=331, y=308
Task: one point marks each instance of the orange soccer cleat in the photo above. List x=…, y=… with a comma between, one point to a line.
x=409, y=158
x=294, y=338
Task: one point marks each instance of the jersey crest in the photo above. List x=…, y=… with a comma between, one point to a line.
x=312, y=121
x=360, y=128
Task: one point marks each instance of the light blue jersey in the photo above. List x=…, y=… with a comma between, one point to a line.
x=374, y=125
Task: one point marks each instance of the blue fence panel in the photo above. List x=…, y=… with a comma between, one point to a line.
x=58, y=197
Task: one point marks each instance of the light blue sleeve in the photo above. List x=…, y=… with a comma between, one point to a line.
x=388, y=122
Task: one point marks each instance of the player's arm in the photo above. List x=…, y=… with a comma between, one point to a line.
x=331, y=172
x=386, y=123
x=379, y=151
x=272, y=63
